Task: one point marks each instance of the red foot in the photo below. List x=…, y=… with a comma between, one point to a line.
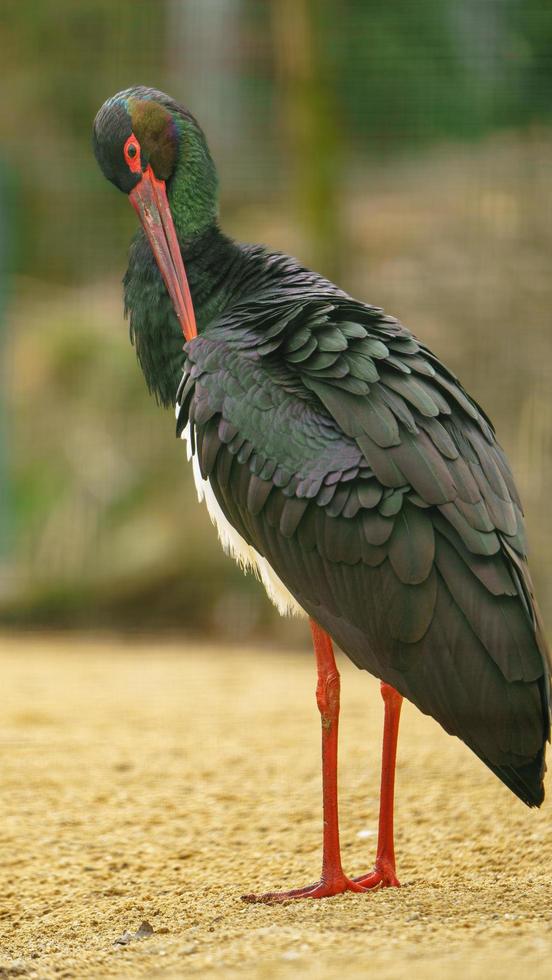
x=321, y=889
x=383, y=876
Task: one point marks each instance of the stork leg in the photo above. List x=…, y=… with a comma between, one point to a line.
x=333, y=881
x=384, y=873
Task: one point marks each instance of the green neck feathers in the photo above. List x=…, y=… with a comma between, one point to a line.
x=213, y=264
x=193, y=186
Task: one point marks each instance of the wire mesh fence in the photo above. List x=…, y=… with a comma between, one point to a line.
x=405, y=149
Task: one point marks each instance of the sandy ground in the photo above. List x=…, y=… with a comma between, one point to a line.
x=159, y=782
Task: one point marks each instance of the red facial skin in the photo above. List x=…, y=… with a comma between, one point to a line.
x=149, y=200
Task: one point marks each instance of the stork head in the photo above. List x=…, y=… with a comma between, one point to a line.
x=154, y=151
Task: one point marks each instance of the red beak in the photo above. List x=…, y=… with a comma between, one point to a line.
x=149, y=200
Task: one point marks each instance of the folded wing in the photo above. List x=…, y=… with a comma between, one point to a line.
x=346, y=454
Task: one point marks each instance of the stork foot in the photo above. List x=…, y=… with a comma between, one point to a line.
x=383, y=876
x=320, y=889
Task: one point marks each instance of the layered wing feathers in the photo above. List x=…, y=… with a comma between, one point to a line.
x=347, y=455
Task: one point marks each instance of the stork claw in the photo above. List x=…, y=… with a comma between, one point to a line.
x=383, y=876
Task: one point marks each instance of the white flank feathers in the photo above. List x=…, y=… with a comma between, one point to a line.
x=233, y=543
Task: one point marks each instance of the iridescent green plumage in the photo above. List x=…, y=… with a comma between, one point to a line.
x=376, y=489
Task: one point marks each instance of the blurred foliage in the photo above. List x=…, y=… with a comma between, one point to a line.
x=380, y=77
x=403, y=147
x=412, y=72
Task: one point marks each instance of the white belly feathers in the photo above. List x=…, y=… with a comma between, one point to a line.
x=233, y=543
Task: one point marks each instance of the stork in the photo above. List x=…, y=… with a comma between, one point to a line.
x=344, y=463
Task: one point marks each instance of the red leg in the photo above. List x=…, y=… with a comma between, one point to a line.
x=333, y=881
x=384, y=870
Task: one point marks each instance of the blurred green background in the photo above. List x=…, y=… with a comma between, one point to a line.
x=403, y=147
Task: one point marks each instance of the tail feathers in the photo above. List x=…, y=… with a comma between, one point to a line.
x=525, y=781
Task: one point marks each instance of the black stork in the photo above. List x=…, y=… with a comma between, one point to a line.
x=343, y=462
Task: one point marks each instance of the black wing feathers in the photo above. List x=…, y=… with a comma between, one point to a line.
x=346, y=454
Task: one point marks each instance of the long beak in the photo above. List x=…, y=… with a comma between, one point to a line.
x=149, y=200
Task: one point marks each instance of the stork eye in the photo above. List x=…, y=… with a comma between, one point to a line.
x=132, y=153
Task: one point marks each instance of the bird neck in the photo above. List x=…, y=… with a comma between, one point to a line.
x=193, y=187
x=214, y=264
